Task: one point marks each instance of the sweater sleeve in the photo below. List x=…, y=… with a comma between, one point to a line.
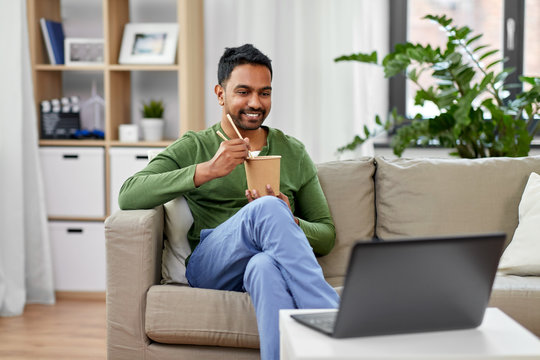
x=314, y=216
x=159, y=182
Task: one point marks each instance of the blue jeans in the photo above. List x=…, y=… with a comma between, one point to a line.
x=261, y=250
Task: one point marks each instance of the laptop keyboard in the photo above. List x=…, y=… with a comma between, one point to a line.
x=324, y=320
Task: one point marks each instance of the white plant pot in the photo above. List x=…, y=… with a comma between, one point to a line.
x=152, y=129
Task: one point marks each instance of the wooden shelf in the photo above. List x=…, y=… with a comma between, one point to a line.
x=188, y=70
x=144, y=67
x=69, y=142
x=163, y=143
x=48, y=67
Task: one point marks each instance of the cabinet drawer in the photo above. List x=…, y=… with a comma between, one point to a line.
x=124, y=163
x=78, y=255
x=74, y=180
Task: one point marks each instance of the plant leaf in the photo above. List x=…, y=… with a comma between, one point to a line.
x=494, y=63
x=361, y=57
x=473, y=39
x=489, y=53
x=478, y=48
x=366, y=131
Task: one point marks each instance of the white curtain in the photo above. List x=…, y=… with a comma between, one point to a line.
x=25, y=261
x=320, y=102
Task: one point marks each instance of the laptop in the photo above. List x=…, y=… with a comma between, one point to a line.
x=413, y=285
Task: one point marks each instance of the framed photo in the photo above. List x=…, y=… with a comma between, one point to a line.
x=81, y=51
x=149, y=43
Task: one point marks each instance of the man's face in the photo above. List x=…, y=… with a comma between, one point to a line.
x=247, y=96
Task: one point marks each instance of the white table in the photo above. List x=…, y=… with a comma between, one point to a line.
x=499, y=337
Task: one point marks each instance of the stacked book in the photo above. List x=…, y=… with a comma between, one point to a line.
x=53, y=35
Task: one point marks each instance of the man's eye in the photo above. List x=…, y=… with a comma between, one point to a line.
x=266, y=93
x=241, y=92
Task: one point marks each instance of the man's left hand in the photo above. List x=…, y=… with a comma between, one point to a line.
x=254, y=194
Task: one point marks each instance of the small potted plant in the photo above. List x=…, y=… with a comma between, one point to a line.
x=152, y=121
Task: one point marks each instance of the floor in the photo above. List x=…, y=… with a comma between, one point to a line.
x=70, y=329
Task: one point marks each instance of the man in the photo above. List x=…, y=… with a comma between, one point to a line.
x=242, y=240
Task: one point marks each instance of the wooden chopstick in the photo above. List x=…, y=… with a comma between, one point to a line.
x=220, y=134
x=234, y=126
x=250, y=155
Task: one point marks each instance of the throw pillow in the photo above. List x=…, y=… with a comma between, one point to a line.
x=176, y=249
x=522, y=256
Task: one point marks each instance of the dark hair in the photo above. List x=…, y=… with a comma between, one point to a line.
x=245, y=54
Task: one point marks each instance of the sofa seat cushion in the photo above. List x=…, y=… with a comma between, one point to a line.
x=518, y=297
x=177, y=314
x=425, y=197
x=349, y=190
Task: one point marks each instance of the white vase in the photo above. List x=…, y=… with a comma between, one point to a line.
x=152, y=129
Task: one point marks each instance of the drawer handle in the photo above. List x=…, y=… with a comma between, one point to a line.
x=141, y=157
x=70, y=156
x=73, y=230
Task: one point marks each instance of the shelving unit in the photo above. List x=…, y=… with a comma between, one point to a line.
x=78, y=173
x=188, y=69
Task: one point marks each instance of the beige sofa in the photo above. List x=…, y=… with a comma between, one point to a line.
x=390, y=198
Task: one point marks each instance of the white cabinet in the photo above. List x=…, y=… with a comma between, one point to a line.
x=74, y=180
x=124, y=163
x=78, y=254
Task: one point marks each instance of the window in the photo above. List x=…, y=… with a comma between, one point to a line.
x=502, y=22
x=482, y=16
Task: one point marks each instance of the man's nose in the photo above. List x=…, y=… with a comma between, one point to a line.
x=254, y=101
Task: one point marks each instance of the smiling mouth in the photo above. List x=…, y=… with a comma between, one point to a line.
x=252, y=115
x=252, y=118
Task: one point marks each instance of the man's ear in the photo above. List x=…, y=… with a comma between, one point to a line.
x=220, y=92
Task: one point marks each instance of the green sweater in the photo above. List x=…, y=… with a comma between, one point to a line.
x=170, y=174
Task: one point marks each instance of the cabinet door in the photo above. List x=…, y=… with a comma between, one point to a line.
x=74, y=180
x=124, y=163
x=78, y=254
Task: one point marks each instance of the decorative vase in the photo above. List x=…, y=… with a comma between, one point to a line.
x=152, y=129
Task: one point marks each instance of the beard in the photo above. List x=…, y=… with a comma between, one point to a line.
x=245, y=122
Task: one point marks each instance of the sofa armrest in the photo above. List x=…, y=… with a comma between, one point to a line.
x=134, y=241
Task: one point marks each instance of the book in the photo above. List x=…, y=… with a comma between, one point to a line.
x=47, y=41
x=53, y=35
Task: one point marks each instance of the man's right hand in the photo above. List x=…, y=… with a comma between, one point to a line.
x=230, y=154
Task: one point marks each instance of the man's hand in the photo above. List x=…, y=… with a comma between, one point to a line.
x=230, y=154
x=254, y=194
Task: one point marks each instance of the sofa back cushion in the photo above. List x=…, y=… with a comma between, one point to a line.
x=424, y=197
x=349, y=190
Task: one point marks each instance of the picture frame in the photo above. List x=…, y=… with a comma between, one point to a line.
x=149, y=43
x=83, y=51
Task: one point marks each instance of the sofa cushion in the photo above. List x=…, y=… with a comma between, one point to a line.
x=349, y=190
x=424, y=197
x=178, y=314
x=176, y=249
x=522, y=256
x=519, y=297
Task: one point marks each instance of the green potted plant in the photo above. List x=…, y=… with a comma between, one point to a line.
x=476, y=116
x=152, y=120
